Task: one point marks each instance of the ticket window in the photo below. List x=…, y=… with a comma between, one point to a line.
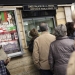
x=34, y=23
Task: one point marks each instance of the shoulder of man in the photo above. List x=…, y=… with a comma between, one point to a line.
x=36, y=39
x=41, y=36
x=52, y=36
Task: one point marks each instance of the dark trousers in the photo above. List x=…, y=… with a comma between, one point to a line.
x=8, y=73
x=46, y=72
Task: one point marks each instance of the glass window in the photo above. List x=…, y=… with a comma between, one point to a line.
x=34, y=23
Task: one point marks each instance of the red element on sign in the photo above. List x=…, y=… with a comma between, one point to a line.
x=5, y=32
x=5, y=15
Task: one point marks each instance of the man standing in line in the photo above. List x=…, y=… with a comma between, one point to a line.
x=41, y=50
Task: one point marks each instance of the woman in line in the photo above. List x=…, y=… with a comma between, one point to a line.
x=71, y=27
x=70, y=30
x=60, y=51
x=4, y=60
x=34, y=35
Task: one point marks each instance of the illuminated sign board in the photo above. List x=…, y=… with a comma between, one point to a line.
x=39, y=7
x=24, y=2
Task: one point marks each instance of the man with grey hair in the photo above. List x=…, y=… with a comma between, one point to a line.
x=60, y=31
x=41, y=50
x=60, y=51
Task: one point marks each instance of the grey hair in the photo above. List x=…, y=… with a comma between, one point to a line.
x=60, y=31
x=43, y=26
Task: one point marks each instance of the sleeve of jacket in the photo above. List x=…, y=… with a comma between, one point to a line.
x=51, y=59
x=36, y=54
x=71, y=65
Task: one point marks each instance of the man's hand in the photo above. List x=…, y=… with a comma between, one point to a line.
x=7, y=60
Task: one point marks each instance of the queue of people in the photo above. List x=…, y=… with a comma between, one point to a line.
x=52, y=54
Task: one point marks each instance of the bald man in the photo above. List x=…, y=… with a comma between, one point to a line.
x=41, y=50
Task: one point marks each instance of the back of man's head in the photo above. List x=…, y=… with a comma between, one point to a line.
x=43, y=27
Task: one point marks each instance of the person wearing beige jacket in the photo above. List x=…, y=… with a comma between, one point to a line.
x=41, y=50
x=5, y=60
x=71, y=65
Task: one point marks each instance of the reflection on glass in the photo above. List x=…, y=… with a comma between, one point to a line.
x=50, y=24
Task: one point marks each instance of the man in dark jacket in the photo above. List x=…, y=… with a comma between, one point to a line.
x=60, y=51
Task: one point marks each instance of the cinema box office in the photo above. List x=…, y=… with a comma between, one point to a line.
x=15, y=24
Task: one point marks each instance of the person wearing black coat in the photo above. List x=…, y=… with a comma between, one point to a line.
x=70, y=30
x=34, y=34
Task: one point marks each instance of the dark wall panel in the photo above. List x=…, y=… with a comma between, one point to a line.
x=23, y=2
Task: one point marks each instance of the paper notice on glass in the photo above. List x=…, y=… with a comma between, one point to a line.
x=68, y=14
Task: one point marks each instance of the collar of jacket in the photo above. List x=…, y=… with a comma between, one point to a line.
x=60, y=38
x=45, y=32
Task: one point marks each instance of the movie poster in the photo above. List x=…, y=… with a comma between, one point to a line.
x=8, y=32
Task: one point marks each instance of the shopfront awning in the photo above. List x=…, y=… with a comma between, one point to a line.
x=26, y=2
